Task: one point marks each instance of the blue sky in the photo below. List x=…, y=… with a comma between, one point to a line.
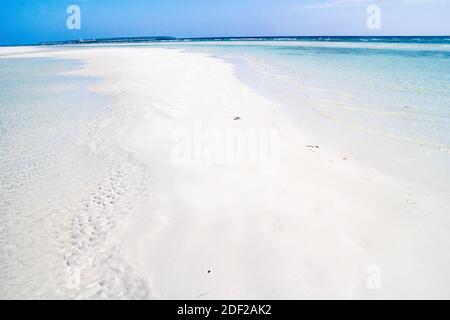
x=34, y=21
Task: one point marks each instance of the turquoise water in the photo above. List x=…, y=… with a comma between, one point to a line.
x=355, y=39
x=397, y=87
x=43, y=116
x=65, y=186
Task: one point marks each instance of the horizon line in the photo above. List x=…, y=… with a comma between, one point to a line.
x=173, y=38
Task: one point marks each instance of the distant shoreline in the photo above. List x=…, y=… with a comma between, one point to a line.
x=390, y=39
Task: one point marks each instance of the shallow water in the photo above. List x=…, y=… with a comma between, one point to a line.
x=398, y=87
x=42, y=114
x=64, y=186
x=384, y=103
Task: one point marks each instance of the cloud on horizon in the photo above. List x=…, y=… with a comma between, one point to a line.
x=358, y=3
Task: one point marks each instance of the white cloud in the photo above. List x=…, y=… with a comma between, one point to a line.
x=357, y=3
x=337, y=3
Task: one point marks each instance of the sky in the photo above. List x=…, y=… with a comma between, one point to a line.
x=36, y=21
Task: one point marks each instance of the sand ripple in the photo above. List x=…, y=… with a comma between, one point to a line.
x=64, y=197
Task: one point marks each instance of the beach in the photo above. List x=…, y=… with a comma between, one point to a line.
x=195, y=181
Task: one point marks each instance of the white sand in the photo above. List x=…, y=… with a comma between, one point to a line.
x=299, y=222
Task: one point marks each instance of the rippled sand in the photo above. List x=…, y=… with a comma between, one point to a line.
x=65, y=187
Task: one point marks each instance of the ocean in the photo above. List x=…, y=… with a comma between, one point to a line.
x=394, y=86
